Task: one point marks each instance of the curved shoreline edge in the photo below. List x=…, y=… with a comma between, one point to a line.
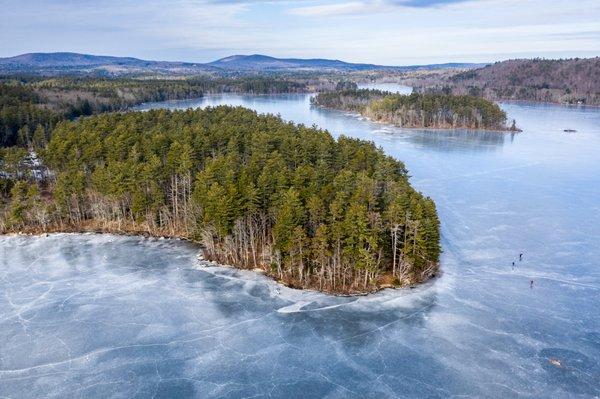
x=137, y=231
x=332, y=214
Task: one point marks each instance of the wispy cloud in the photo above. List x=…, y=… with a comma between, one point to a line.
x=341, y=7
x=426, y=3
x=367, y=7
x=354, y=7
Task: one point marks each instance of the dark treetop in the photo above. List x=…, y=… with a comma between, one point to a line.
x=439, y=111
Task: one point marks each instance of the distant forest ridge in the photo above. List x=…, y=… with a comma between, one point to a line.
x=30, y=108
x=567, y=81
x=64, y=62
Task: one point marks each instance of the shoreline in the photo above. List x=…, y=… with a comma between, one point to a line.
x=135, y=107
x=137, y=231
x=533, y=102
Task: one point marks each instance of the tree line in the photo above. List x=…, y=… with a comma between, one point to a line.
x=31, y=106
x=419, y=110
x=257, y=192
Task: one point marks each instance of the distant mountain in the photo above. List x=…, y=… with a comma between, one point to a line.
x=263, y=62
x=47, y=60
x=59, y=63
x=259, y=62
x=56, y=63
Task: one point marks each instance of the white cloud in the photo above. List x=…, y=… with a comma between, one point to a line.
x=368, y=7
x=355, y=7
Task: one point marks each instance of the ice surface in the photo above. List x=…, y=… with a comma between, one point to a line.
x=105, y=316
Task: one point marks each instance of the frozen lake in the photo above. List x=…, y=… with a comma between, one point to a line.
x=105, y=316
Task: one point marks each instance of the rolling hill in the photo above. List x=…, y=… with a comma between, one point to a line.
x=263, y=62
x=572, y=81
x=64, y=62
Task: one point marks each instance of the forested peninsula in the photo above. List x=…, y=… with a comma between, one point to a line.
x=434, y=111
x=257, y=192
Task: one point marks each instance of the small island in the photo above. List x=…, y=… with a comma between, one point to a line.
x=424, y=111
x=255, y=191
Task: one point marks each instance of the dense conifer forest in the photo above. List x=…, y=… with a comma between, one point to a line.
x=31, y=106
x=257, y=192
x=438, y=111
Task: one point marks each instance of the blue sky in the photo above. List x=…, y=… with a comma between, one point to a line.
x=392, y=32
